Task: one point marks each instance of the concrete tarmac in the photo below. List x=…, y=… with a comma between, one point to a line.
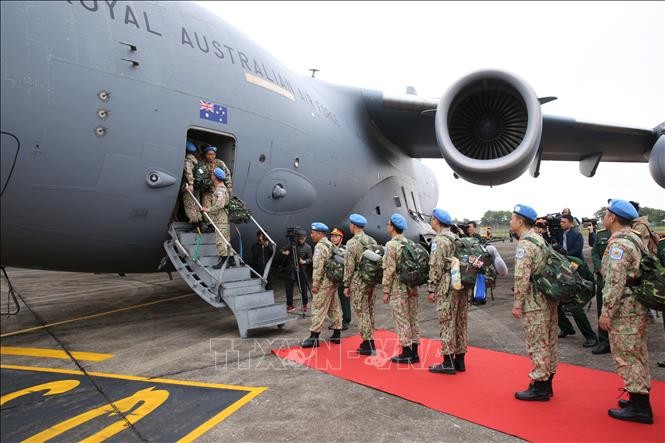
x=156, y=328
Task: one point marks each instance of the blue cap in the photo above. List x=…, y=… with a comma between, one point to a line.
x=526, y=212
x=623, y=209
x=442, y=216
x=191, y=147
x=358, y=220
x=318, y=226
x=219, y=173
x=398, y=221
x=210, y=148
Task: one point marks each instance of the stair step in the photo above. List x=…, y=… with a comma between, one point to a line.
x=242, y=290
x=265, y=314
x=277, y=321
x=210, y=260
x=189, y=238
x=247, y=301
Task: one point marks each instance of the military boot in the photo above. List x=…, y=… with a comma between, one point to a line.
x=537, y=391
x=623, y=403
x=550, y=391
x=220, y=263
x=405, y=357
x=335, y=337
x=368, y=348
x=638, y=410
x=232, y=261
x=414, y=353
x=447, y=367
x=312, y=341
x=459, y=363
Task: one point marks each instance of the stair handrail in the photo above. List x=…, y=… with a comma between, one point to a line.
x=266, y=269
x=221, y=273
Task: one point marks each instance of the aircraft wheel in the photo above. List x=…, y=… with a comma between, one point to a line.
x=280, y=326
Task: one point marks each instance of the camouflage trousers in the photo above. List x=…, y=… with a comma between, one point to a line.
x=405, y=314
x=451, y=309
x=628, y=342
x=540, y=334
x=222, y=224
x=326, y=304
x=191, y=209
x=363, y=297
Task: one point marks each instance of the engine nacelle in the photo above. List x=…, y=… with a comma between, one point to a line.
x=488, y=127
x=657, y=161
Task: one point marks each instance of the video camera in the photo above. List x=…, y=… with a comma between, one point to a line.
x=550, y=223
x=590, y=221
x=293, y=233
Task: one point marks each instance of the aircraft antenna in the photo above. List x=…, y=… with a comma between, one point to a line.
x=314, y=71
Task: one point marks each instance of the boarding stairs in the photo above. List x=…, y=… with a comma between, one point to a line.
x=240, y=288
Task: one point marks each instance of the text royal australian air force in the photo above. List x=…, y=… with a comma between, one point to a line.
x=257, y=72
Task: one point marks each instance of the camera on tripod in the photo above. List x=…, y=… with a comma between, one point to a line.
x=293, y=233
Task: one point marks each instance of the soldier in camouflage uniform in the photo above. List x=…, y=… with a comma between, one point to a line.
x=538, y=313
x=191, y=208
x=211, y=162
x=451, y=305
x=403, y=299
x=623, y=316
x=361, y=293
x=326, y=303
x=219, y=214
x=597, y=252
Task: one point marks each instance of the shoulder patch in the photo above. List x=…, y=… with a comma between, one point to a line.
x=520, y=253
x=433, y=246
x=616, y=253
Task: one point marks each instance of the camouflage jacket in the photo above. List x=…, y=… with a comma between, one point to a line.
x=322, y=253
x=621, y=261
x=354, y=254
x=599, y=248
x=391, y=282
x=220, y=200
x=443, y=248
x=217, y=163
x=529, y=261
x=190, y=163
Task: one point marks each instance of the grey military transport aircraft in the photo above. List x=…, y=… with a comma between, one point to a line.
x=99, y=98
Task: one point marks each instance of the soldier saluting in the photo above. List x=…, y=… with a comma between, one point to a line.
x=623, y=316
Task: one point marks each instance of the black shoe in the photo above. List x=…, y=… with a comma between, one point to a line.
x=638, y=410
x=537, y=391
x=563, y=334
x=661, y=364
x=345, y=326
x=623, y=403
x=335, y=338
x=312, y=341
x=405, y=357
x=459, y=363
x=414, y=353
x=550, y=391
x=368, y=349
x=602, y=348
x=590, y=343
x=220, y=263
x=210, y=229
x=446, y=367
x=232, y=261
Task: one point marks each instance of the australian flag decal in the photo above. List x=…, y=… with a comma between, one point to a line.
x=212, y=111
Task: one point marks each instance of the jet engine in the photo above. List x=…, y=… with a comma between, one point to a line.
x=488, y=127
x=657, y=161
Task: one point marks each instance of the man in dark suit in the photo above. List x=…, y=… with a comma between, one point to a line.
x=572, y=243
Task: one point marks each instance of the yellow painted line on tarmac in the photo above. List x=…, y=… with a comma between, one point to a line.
x=36, y=328
x=53, y=353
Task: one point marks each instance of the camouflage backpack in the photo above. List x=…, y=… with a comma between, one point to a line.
x=560, y=280
x=238, y=211
x=334, y=267
x=413, y=264
x=202, y=180
x=371, y=265
x=649, y=287
x=469, y=250
x=583, y=297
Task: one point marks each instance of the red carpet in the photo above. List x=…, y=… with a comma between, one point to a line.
x=484, y=394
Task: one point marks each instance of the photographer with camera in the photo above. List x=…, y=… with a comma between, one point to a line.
x=297, y=256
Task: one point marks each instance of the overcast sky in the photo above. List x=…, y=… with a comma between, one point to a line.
x=605, y=61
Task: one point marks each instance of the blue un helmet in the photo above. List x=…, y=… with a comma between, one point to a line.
x=526, y=211
x=191, y=147
x=209, y=148
x=398, y=221
x=358, y=220
x=219, y=173
x=442, y=216
x=623, y=209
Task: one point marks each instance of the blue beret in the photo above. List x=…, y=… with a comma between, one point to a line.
x=219, y=173
x=318, y=226
x=210, y=148
x=358, y=220
x=442, y=216
x=398, y=221
x=623, y=209
x=191, y=147
x=526, y=212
